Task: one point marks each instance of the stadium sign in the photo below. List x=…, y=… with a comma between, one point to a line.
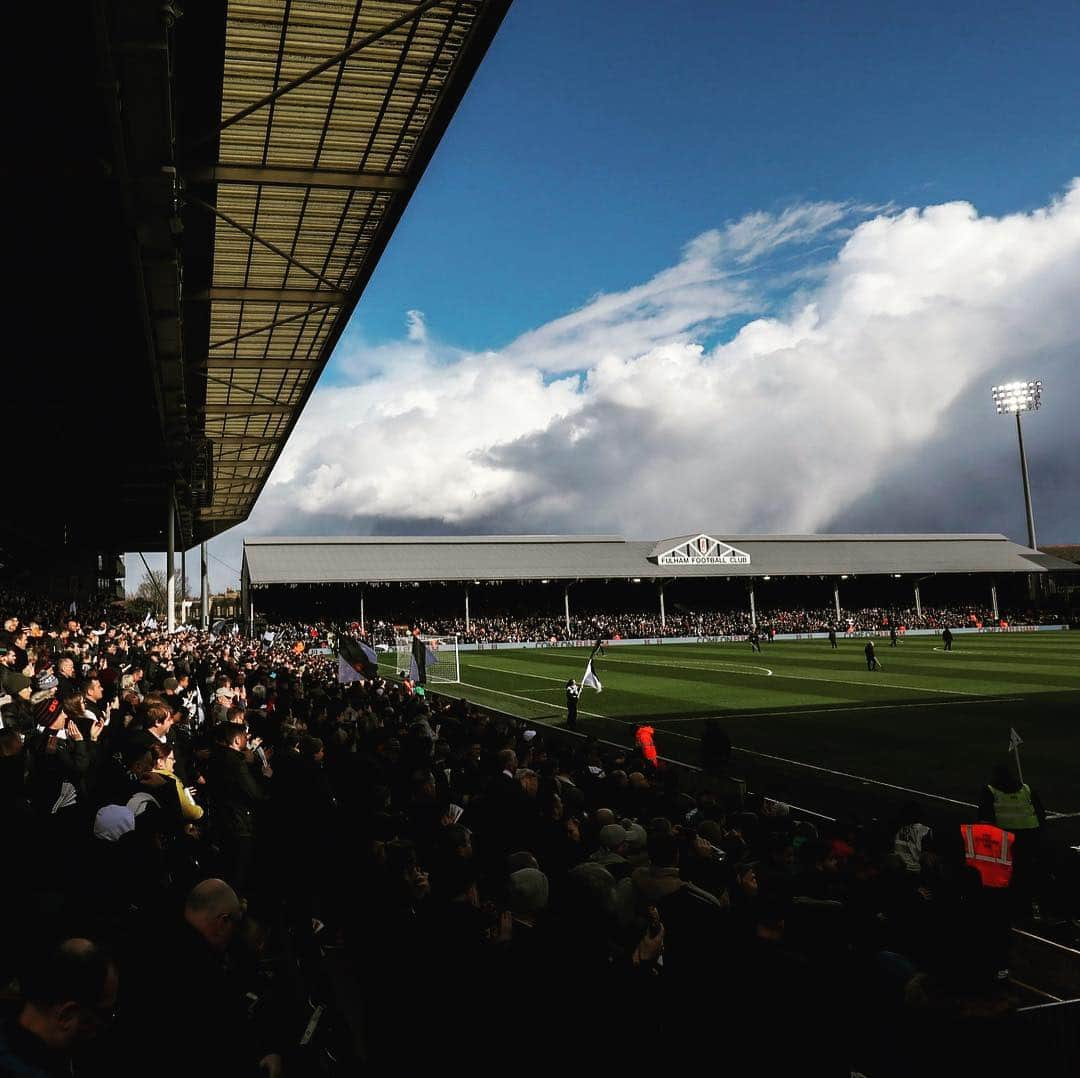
x=703, y=550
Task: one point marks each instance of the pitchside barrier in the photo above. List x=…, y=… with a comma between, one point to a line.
x=740, y=638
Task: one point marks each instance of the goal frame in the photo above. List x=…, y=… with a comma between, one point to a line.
x=447, y=671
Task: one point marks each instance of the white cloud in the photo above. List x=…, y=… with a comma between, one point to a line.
x=803, y=413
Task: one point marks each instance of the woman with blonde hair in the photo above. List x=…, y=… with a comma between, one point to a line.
x=166, y=762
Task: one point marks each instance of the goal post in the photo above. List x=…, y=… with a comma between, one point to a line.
x=444, y=649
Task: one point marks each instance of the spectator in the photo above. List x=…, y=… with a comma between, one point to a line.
x=68, y=997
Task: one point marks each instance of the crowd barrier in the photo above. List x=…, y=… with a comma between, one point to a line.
x=1051, y=1034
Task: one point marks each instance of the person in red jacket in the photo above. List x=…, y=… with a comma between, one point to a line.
x=643, y=738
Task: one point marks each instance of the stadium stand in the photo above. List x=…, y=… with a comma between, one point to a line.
x=237, y=830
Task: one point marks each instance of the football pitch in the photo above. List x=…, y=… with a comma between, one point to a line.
x=929, y=723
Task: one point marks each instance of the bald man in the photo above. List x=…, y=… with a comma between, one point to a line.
x=214, y=911
x=202, y=996
x=69, y=996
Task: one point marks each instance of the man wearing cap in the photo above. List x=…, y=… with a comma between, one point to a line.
x=612, y=850
x=219, y=709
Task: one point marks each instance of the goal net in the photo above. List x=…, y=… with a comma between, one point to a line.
x=443, y=659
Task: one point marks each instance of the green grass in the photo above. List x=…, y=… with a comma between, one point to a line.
x=929, y=721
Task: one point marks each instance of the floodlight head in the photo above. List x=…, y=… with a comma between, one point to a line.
x=1015, y=397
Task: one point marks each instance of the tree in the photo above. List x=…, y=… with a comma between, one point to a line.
x=151, y=589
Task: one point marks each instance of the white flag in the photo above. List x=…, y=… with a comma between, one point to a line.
x=590, y=679
x=1014, y=739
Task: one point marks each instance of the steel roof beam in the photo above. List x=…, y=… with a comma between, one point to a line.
x=383, y=31
x=228, y=410
x=242, y=439
x=268, y=326
x=255, y=363
x=301, y=177
x=273, y=248
x=240, y=294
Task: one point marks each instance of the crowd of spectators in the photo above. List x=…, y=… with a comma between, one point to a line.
x=519, y=628
x=176, y=805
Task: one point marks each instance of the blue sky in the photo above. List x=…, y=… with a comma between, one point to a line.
x=599, y=137
x=698, y=266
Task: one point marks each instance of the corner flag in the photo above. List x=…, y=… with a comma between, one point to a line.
x=1014, y=747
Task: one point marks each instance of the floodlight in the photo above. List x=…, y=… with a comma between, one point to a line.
x=766, y=578
x=636, y=579
x=1013, y=398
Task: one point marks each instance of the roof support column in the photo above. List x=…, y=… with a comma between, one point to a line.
x=183, y=587
x=663, y=614
x=566, y=608
x=170, y=562
x=468, y=624
x=753, y=608
x=836, y=600
x=918, y=603
x=204, y=590
x=994, y=602
x=363, y=630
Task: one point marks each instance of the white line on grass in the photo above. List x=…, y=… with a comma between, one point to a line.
x=529, y=700
x=807, y=677
x=860, y=778
x=752, y=752
x=854, y=707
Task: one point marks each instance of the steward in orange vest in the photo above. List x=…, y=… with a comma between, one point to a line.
x=989, y=850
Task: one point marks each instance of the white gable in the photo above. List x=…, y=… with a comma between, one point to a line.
x=703, y=550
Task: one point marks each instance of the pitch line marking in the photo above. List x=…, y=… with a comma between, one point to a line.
x=529, y=700
x=860, y=778
x=752, y=752
x=843, y=708
x=702, y=664
x=807, y=677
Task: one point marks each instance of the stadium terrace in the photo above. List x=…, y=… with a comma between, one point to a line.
x=477, y=575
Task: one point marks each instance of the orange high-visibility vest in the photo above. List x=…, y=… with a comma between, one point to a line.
x=990, y=851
